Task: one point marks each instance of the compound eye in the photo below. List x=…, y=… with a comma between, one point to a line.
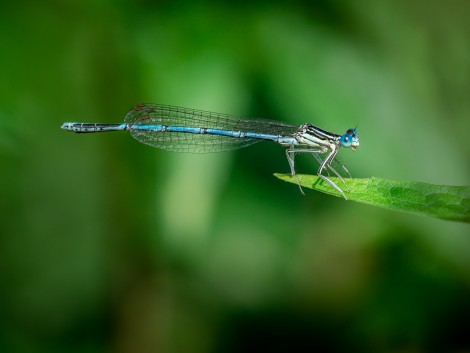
x=345, y=140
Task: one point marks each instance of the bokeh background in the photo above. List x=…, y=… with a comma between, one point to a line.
x=108, y=245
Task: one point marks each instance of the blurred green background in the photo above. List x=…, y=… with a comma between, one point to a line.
x=108, y=245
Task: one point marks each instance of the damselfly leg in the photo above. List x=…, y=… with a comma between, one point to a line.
x=324, y=166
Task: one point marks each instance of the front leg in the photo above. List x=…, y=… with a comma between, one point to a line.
x=326, y=163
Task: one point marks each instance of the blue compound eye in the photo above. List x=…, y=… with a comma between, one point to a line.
x=346, y=140
x=350, y=139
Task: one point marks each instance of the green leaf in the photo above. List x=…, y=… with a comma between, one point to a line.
x=441, y=201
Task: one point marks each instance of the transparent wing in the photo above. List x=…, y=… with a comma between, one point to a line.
x=165, y=115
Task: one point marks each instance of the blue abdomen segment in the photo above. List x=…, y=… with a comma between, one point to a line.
x=205, y=131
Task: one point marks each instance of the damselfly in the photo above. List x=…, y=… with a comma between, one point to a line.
x=190, y=130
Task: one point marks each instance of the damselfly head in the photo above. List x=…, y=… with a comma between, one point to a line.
x=350, y=139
